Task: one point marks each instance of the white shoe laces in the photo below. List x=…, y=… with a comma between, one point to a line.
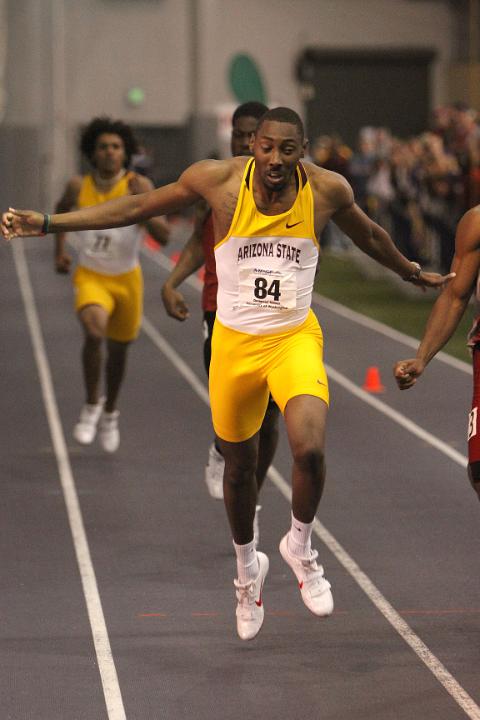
x=245, y=592
x=314, y=579
x=246, y=599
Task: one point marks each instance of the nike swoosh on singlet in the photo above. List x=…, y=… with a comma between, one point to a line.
x=293, y=224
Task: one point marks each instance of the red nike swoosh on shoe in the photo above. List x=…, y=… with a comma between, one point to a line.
x=300, y=585
x=259, y=601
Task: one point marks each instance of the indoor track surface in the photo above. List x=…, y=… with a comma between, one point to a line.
x=117, y=597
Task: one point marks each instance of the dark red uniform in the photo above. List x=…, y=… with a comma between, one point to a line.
x=473, y=428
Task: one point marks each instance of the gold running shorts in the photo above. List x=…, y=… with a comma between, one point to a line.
x=120, y=295
x=246, y=368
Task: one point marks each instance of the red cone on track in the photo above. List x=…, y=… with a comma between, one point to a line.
x=372, y=382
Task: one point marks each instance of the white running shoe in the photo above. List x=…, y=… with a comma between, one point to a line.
x=250, y=611
x=214, y=473
x=109, y=432
x=86, y=428
x=256, y=526
x=315, y=589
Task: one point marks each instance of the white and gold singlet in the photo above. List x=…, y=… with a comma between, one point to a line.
x=266, y=264
x=110, y=252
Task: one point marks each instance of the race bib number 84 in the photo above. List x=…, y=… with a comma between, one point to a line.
x=271, y=289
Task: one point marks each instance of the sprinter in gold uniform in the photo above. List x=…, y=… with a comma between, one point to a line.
x=108, y=279
x=266, y=337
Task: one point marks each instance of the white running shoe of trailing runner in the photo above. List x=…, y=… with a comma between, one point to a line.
x=109, y=432
x=314, y=588
x=214, y=473
x=86, y=428
x=250, y=611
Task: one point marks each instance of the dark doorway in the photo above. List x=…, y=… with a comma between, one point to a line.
x=346, y=90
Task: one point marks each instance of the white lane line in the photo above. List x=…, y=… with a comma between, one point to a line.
x=106, y=665
x=461, y=697
x=177, y=362
x=451, y=685
x=389, y=332
x=396, y=417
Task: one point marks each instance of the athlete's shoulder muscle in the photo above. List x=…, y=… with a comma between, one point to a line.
x=218, y=183
x=208, y=177
x=329, y=187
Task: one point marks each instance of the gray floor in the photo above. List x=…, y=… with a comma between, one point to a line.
x=161, y=552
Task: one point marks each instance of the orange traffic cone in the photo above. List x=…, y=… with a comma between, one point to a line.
x=372, y=382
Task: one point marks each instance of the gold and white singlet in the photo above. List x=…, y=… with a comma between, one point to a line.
x=266, y=264
x=110, y=252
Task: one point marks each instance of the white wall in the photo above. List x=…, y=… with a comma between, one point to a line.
x=27, y=85
x=68, y=60
x=112, y=45
x=275, y=31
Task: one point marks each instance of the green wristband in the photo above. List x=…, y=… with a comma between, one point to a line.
x=46, y=223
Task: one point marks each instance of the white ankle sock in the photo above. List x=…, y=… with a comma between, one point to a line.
x=299, y=538
x=247, y=562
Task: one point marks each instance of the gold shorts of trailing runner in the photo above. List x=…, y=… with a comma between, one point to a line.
x=245, y=368
x=120, y=295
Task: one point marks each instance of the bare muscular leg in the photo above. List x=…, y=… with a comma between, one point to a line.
x=240, y=487
x=305, y=419
x=94, y=320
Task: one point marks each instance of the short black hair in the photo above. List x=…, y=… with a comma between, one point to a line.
x=284, y=115
x=100, y=125
x=249, y=109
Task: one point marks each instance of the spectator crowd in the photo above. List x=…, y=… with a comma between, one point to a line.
x=416, y=188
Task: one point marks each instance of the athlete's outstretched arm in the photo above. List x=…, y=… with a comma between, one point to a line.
x=203, y=176
x=451, y=304
x=127, y=210
x=377, y=243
